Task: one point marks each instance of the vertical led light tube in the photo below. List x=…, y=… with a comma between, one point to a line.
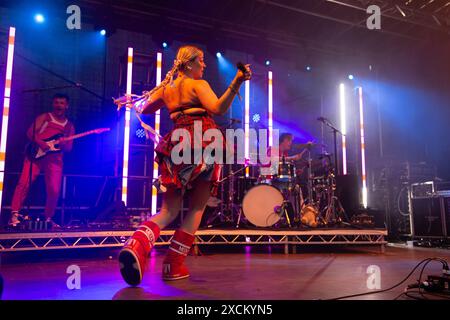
x=6, y=105
x=126, y=138
x=247, y=125
x=342, y=106
x=157, y=129
x=363, y=148
x=270, y=95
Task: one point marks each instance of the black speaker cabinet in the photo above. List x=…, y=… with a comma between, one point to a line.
x=347, y=190
x=431, y=216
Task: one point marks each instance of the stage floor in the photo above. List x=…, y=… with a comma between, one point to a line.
x=223, y=273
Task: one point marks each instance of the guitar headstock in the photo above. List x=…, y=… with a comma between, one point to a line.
x=101, y=130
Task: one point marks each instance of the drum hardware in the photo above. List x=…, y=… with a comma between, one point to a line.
x=334, y=212
x=277, y=200
x=335, y=132
x=228, y=208
x=283, y=211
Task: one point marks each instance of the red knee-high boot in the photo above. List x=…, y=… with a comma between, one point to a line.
x=133, y=256
x=173, y=264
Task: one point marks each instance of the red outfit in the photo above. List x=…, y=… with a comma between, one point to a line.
x=51, y=165
x=173, y=264
x=182, y=175
x=133, y=256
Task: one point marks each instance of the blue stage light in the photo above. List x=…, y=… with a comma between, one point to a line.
x=165, y=45
x=308, y=68
x=267, y=62
x=351, y=77
x=256, y=117
x=39, y=18
x=103, y=32
x=218, y=55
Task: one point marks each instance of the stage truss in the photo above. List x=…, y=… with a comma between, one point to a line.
x=10, y=242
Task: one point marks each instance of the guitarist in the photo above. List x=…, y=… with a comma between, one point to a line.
x=45, y=126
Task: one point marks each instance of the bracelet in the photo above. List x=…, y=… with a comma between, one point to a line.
x=233, y=89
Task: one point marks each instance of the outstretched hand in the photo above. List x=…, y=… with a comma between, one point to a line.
x=126, y=101
x=122, y=101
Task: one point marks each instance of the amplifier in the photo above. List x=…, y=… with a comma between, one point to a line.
x=422, y=189
x=430, y=216
x=430, y=189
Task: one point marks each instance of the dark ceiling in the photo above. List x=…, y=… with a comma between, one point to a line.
x=271, y=27
x=326, y=26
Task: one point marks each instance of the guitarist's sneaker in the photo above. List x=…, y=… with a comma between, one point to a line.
x=173, y=264
x=15, y=221
x=133, y=257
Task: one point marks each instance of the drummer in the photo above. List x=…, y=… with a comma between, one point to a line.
x=284, y=147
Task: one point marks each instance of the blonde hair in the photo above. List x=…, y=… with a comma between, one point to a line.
x=184, y=55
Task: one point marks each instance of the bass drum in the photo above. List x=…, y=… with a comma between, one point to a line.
x=262, y=204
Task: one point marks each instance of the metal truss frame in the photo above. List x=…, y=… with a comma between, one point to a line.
x=10, y=242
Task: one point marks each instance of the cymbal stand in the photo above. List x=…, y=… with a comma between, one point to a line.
x=334, y=211
x=229, y=205
x=310, y=178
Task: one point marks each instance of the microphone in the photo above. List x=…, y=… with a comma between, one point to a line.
x=322, y=119
x=241, y=67
x=277, y=209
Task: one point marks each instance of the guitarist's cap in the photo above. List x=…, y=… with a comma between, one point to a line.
x=61, y=96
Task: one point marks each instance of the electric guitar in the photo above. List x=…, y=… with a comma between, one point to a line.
x=33, y=151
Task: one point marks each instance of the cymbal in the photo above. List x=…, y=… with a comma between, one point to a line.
x=302, y=163
x=325, y=155
x=307, y=145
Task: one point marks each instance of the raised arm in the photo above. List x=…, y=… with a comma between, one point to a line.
x=154, y=103
x=215, y=105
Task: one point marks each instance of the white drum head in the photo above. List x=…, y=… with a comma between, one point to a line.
x=260, y=205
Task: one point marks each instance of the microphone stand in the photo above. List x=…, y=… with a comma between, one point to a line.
x=335, y=132
x=334, y=206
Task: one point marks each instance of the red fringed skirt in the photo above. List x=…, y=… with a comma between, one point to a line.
x=181, y=176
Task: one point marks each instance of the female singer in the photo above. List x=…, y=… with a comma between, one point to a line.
x=188, y=99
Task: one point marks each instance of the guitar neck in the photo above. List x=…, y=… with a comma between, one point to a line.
x=79, y=135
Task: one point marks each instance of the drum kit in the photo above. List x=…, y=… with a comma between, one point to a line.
x=297, y=194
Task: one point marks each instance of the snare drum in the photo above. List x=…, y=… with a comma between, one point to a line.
x=286, y=172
